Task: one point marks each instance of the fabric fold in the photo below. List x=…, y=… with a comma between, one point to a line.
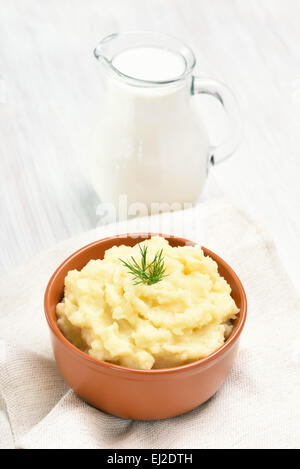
x=258, y=405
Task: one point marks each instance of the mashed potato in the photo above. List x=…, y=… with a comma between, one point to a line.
x=182, y=318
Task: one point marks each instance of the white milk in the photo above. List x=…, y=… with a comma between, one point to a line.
x=148, y=144
x=150, y=63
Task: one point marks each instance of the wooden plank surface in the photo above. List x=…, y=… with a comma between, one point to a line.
x=49, y=100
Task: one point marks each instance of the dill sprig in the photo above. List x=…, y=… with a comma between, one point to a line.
x=144, y=273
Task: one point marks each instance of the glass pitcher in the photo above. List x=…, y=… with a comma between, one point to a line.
x=149, y=144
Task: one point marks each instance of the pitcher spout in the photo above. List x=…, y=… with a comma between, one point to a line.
x=101, y=51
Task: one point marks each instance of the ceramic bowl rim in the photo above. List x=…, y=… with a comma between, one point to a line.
x=161, y=371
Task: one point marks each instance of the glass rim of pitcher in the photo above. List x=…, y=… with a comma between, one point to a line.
x=182, y=49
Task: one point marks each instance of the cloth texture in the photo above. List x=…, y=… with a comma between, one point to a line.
x=257, y=406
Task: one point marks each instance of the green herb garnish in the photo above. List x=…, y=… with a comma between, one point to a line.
x=143, y=273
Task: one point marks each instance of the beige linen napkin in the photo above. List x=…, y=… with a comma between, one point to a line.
x=257, y=407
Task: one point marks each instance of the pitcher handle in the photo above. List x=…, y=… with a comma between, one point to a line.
x=223, y=94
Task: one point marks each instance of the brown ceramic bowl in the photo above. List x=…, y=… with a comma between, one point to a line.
x=133, y=393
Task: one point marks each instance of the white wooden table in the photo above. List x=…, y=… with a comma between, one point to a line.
x=49, y=98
